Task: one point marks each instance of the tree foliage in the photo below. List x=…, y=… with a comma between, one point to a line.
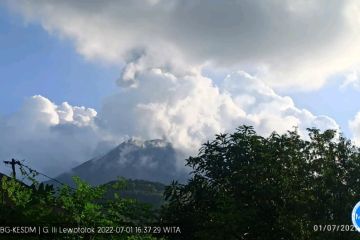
x=245, y=186
x=83, y=206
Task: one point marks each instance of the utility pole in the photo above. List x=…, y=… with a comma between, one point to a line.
x=13, y=162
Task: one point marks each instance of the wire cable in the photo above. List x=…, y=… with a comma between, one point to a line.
x=21, y=164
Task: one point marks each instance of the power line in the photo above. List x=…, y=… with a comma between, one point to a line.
x=14, y=162
x=43, y=174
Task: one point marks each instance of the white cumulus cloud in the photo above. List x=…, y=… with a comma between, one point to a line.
x=354, y=125
x=50, y=137
x=185, y=111
x=163, y=47
x=189, y=110
x=290, y=43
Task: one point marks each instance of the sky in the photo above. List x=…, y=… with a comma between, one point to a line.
x=34, y=62
x=79, y=77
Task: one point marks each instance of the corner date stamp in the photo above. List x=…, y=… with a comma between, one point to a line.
x=333, y=228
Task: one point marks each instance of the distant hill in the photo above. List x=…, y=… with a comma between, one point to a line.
x=147, y=167
x=9, y=178
x=141, y=190
x=153, y=160
x=2, y=175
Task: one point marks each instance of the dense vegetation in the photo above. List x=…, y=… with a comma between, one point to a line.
x=141, y=190
x=84, y=206
x=243, y=186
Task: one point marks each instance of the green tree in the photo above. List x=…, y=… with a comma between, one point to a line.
x=245, y=186
x=83, y=206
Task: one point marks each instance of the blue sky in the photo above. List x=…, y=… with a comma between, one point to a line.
x=331, y=100
x=167, y=69
x=33, y=62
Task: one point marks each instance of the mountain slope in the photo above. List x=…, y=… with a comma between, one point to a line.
x=153, y=160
